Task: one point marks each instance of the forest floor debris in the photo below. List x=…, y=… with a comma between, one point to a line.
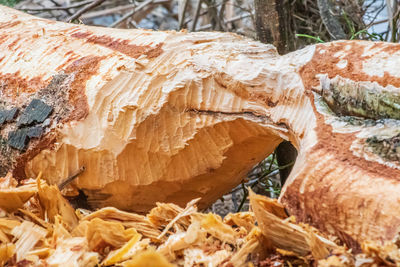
x=38, y=227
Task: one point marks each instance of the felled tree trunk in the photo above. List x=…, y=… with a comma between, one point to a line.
x=172, y=116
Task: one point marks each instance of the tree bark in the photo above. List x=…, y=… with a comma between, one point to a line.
x=272, y=27
x=271, y=24
x=171, y=116
x=330, y=21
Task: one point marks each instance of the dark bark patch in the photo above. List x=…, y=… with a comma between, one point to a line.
x=36, y=112
x=19, y=139
x=8, y=115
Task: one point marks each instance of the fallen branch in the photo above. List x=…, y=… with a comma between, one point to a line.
x=43, y=9
x=131, y=13
x=85, y=9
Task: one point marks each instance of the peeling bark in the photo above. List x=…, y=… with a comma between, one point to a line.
x=170, y=116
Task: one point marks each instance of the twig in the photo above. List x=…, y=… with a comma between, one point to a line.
x=133, y=23
x=209, y=26
x=213, y=14
x=43, y=9
x=182, y=13
x=230, y=13
x=129, y=14
x=117, y=9
x=57, y=4
x=245, y=195
x=196, y=15
x=85, y=9
x=221, y=15
x=71, y=178
x=394, y=26
x=112, y=10
x=377, y=22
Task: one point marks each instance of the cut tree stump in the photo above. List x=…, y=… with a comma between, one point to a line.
x=172, y=116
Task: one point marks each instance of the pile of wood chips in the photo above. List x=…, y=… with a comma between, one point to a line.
x=38, y=227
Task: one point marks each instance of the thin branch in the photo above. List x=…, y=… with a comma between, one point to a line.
x=182, y=13
x=71, y=178
x=129, y=14
x=196, y=15
x=85, y=9
x=213, y=14
x=118, y=9
x=109, y=11
x=240, y=17
x=377, y=22
x=221, y=15
x=378, y=11
x=43, y=9
x=58, y=4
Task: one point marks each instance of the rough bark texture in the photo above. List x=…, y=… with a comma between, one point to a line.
x=271, y=24
x=330, y=21
x=170, y=116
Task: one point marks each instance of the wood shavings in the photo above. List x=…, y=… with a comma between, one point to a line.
x=47, y=231
x=28, y=235
x=282, y=233
x=55, y=204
